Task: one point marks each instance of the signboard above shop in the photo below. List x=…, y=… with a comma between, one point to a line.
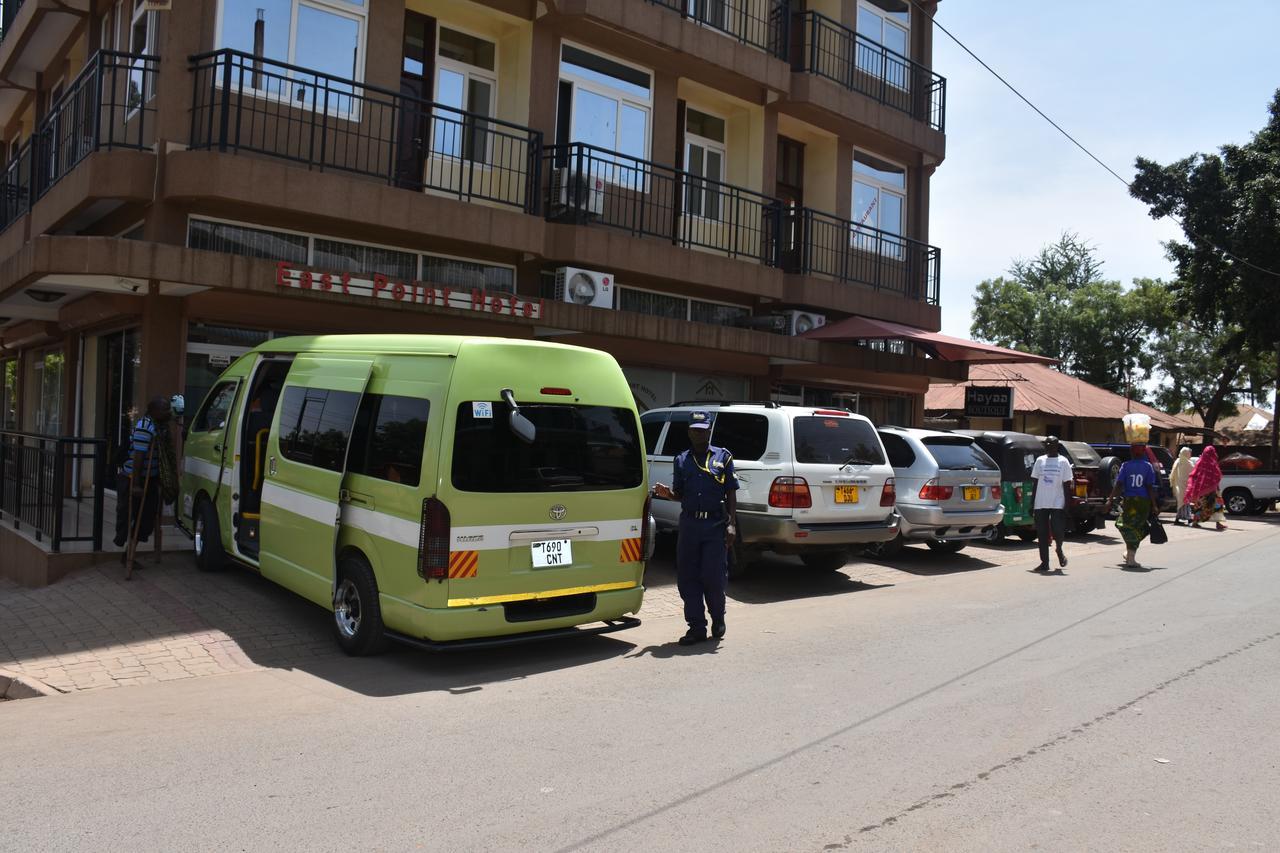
x=981, y=401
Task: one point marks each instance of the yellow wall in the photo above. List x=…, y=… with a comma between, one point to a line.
x=744, y=132
x=821, y=168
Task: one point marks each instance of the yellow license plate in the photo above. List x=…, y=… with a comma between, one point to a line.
x=846, y=494
x=1082, y=490
x=973, y=493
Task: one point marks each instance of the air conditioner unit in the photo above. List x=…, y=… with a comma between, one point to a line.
x=579, y=191
x=799, y=322
x=584, y=287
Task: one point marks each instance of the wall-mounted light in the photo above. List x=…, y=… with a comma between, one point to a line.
x=44, y=295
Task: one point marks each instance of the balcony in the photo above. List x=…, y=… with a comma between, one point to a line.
x=8, y=12
x=829, y=50
x=244, y=103
x=763, y=24
x=825, y=245
x=108, y=106
x=594, y=186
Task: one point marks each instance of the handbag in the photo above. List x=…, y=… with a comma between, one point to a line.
x=1159, y=535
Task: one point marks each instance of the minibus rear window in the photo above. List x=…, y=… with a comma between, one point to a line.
x=578, y=449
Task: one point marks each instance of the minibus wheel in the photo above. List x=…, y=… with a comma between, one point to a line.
x=357, y=617
x=207, y=539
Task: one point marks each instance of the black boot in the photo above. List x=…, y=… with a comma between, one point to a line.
x=693, y=636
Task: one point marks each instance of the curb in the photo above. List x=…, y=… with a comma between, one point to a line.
x=14, y=686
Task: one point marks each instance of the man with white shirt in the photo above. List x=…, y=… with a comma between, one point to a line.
x=1053, y=478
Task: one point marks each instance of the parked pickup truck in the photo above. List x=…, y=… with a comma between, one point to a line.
x=1250, y=492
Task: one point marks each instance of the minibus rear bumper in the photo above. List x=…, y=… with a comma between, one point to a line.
x=621, y=623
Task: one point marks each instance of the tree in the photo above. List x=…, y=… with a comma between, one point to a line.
x=1229, y=265
x=1057, y=304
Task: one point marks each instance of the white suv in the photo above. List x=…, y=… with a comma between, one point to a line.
x=812, y=482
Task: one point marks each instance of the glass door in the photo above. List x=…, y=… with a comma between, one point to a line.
x=119, y=358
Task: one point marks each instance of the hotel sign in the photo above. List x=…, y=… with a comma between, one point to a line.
x=988, y=402
x=384, y=288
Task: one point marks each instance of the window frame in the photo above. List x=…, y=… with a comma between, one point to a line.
x=139, y=66
x=340, y=8
x=604, y=91
x=375, y=399
x=881, y=187
x=707, y=145
x=885, y=20
x=468, y=74
x=688, y=300
x=208, y=400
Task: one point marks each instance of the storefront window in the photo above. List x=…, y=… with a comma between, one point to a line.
x=47, y=385
x=210, y=350
x=119, y=359
x=9, y=394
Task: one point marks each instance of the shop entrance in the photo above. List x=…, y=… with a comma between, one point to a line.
x=119, y=358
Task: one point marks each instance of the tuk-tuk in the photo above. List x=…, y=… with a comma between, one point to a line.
x=1015, y=453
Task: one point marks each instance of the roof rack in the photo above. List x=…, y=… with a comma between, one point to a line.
x=768, y=404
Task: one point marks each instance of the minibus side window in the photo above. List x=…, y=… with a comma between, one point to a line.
x=388, y=439
x=213, y=414
x=314, y=424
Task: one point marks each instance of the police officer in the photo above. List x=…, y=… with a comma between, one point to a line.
x=705, y=484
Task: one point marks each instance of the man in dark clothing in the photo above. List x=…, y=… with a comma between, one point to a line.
x=138, y=484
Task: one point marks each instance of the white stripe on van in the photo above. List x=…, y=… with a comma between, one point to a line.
x=299, y=503
x=488, y=537
x=201, y=468
x=381, y=524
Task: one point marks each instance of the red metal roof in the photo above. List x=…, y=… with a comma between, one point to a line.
x=944, y=347
x=1040, y=388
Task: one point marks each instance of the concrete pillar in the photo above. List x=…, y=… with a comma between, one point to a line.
x=664, y=136
x=544, y=79
x=164, y=345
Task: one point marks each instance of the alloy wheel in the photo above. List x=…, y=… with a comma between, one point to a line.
x=346, y=608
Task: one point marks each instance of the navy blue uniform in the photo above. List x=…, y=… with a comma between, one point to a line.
x=702, y=564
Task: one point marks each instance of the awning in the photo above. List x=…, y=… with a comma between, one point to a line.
x=939, y=345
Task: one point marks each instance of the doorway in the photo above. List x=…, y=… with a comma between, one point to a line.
x=417, y=71
x=790, y=191
x=119, y=358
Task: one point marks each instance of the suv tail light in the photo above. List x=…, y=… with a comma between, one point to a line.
x=433, y=540
x=889, y=495
x=790, y=493
x=931, y=491
x=1017, y=493
x=996, y=491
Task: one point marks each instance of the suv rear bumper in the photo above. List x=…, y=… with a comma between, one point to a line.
x=786, y=535
x=920, y=522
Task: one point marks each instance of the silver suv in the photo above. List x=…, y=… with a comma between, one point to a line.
x=812, y=482
x=948, y=488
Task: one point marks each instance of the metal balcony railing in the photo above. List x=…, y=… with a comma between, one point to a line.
x=54, y=486
x=595, y=186
x=761, y=23
x=827, y=245
x=241, y=102
x=828, y=49
x=108, y=106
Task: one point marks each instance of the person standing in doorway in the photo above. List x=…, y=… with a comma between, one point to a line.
x=1136, y=486
x=138, y=485
x=1053, y=477
x=705, y=484
x=1178, y=476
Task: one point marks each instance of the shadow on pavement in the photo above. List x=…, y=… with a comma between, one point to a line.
x=919, y=560
x=776, y=578
x=673, y=649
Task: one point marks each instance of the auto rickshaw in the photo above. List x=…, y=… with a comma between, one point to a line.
x=1015, y=453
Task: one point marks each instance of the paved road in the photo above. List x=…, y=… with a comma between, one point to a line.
x=980, y=709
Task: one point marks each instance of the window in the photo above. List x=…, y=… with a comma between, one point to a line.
x=704, y=157
x=467, y=275
x=213, y=414
x=677, y=440
x=716, y=313
x=887, y=23
x=47, y=382
x=651, y=426
x=714, y=13
x=879, y=202
x=836, y=441
x=315, y=426
x=900, y=453
x=389, y=437
x=744, y=435
x=250, y=242
x=357, y=258
x=9, y=394
x=957, y=454
x=466, y=80
x=609, y=108
x=326, y=36
x=577, y=449
x=142, y=41
x=654, y=304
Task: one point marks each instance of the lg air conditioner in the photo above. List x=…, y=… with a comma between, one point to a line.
x=578, y=191
x=799, y=322
x=584, y=287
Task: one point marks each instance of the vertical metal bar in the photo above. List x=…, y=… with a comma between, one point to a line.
x=195, y=102
x=97, y=107
x=467, y=157
x=59, y=462
x=324, y=126
x=99, y=474
x=393, y=141
x=226, y=100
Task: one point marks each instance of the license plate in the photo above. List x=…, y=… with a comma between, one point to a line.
x=846, y=494
x=551, y=553
x=973, y=493
x=1082, y=490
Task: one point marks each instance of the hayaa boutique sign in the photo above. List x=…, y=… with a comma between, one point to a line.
x=988, y=402
x=384, y=288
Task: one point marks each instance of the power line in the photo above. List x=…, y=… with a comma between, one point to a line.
x=1082, y=147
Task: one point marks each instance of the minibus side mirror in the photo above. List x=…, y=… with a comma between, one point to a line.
x=521, y=427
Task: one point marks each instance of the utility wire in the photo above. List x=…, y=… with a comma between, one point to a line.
x=1081, y=146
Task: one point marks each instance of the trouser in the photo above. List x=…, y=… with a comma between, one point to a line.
x=145, y=504
x=1046, y=519
x=702, y=570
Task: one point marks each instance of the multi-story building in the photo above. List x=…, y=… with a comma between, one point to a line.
x=687, y=184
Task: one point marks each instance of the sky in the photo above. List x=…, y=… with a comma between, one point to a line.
x=1163, y=79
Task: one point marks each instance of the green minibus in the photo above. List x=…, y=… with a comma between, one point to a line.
x=442, y=491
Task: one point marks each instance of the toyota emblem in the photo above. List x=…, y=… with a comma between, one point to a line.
x=558, y=512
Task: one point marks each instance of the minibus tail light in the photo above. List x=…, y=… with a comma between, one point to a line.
x=889, y=495
x=557, y=392
x=433, y=540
